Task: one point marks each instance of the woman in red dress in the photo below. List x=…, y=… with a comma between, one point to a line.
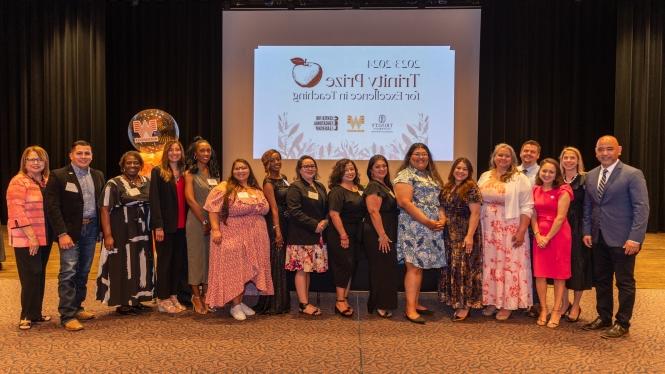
x=552, y=237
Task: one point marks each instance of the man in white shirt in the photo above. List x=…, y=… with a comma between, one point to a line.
x=529, y=154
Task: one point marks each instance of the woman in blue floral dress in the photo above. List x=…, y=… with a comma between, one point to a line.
x=419, y=238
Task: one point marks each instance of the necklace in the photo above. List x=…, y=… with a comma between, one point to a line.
x=571, y=180
x=138, y=182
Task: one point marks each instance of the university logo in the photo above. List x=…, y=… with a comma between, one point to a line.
x=355, y=123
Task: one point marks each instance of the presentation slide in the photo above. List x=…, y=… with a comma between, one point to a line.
x=335, y=102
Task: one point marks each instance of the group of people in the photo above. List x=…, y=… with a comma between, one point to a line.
x=494, y=240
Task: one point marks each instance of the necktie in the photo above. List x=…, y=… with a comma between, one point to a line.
x=601, y=185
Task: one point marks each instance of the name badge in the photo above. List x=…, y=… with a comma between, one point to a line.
x=313, y=195
x=286, y=182
x=392, y=194
x=71, y=187
x=212, y=181
x=133, y=192
x=360, y=192
x=243, y=195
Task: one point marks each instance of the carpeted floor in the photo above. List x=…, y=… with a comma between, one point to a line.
x=216, y=343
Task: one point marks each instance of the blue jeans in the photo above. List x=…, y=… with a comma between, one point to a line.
x=75, y=265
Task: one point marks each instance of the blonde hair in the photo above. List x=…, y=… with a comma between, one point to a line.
x=580, y=163
x=513, y=165
x=41, y=153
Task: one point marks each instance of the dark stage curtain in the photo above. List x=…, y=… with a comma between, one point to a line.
x=640, y=99
x=164, y=54
x=546, y=73
x=52, y=81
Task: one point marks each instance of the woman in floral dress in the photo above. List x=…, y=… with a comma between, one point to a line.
x=421, y=219
x=505, y=216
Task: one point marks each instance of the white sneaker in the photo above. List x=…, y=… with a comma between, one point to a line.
x=237, y=312
x=247, y=310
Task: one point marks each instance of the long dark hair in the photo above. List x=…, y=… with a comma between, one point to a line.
x=232, y=187
x=165, y=169
x=463, y=189
x=558, y=175
x=431, y=168
x=338, y=173
x=370, y=165
x=190, y=161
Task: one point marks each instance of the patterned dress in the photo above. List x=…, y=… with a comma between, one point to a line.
x=280, y=302
x=416, y=243
x=507, y=278
x=553, y=261
x=243, y=256
x=125, y=275
x=461, y=282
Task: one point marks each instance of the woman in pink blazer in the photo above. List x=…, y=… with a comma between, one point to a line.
x=28, y=232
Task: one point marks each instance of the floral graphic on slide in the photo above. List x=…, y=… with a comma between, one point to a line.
x=306, y=74
x=291, y=143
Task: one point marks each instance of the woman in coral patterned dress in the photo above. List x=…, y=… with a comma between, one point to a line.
x=552, y=241
x=505, y=216
x=239, y=245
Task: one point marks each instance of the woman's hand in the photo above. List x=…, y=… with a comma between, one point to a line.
x=468, y=243
x=34, y=246
x=108, y=242
x=542, y=241
x=279, y=239
x=216, y=236
x=159, y=235
x=321, y=226
x=435, y=225
x=518, y=238
x=206, y=227
x=344, y=241
x=384, y=243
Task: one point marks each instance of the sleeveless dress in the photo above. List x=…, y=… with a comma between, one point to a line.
x=125, y=275
x=553, y=261
x=280, y=302
x=243, y=256
x=198, y=244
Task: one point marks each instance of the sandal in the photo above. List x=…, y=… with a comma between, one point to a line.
x=384, y=313
x=25, y=324
x=568, y=319
x=198, y=305
x=41, y=319
x=552, y=324
x=489, y=311
x=303, y=307
x=457, y=318
x=347, y=313
x=503, y=314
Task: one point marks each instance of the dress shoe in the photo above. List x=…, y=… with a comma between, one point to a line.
x=596, y=324
x=126, y=310
x=247, y=310
x=73, y=325
x=42, y=319
x=237, y=313
x=425, y=312
x=617, y=331
x=84, y=315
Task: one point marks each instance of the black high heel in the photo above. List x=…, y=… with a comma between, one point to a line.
x=303, y=306
x=568, y=319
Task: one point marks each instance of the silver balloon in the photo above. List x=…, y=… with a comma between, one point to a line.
x=150, y=129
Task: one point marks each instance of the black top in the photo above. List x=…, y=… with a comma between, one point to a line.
x=350, y=205
x=163, y=203
x=279, y=186
x=307, y=205
x=388, y=211
x=64, y=208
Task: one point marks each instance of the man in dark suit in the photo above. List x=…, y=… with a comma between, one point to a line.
x=616, y=211
x=71, y=206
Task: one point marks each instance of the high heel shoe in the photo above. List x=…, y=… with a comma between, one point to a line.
x=303, y=306
x=551, y=324
x=568, y=319
x=419, y=320
x=199, y=307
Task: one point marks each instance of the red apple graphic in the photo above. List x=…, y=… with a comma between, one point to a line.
x=306, y=74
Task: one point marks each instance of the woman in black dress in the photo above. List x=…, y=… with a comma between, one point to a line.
x=379, y=236
x=572, y=168
x=346, y=209
x=275, y=186
x=125, y=265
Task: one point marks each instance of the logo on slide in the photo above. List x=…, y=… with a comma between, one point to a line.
x=355, y=123
x=382, y=124
x=306, y=74
x=326, y=123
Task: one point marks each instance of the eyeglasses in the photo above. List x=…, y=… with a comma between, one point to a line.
x=309, y=166
x=34, y=160
x=420, y=155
